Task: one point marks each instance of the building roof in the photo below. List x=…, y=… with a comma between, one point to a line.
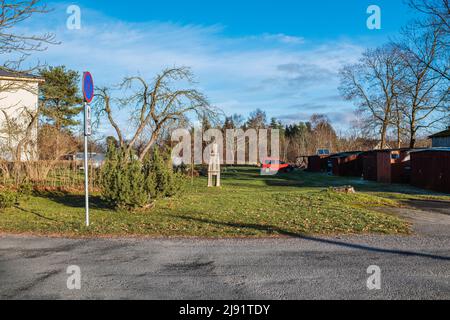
x=439, y=149
x=345, y=154
x=442, y=134
x=5, y=74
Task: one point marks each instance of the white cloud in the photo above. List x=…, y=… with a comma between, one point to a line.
x=283, y=38
x=270, y=71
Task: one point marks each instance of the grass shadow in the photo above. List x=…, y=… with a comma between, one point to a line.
x=439, y=206
x=323, y=180
x=274, y=229
x=74, y=200
x=38, y=214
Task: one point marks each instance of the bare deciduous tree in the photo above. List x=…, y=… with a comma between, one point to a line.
x=323, y=135
x=17, y=133
x=424, y=94
x=437, y=18
x=373, y=85
x=53, y=143
x=14, y=49
x=438, y=12
x=153, y=107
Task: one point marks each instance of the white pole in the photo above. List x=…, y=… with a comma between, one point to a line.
x=86, y=173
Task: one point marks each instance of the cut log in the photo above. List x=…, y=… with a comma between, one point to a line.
x=345, y=189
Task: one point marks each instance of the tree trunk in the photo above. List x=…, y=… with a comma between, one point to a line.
x=412, y=130
x=399, y=140
x=399, y=129
x=412, y=140
x=383, y=135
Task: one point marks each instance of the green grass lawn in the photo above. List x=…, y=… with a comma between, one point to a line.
x=247, y=205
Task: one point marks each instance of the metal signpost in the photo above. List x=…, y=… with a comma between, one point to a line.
x=88, y=94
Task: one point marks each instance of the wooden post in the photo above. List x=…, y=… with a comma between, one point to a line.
x=214, y=167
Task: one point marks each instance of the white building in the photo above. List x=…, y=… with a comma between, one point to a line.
x=18, y=107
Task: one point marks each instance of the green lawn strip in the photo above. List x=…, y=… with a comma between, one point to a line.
x=248, y=205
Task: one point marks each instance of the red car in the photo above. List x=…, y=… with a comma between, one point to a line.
x=275, y=165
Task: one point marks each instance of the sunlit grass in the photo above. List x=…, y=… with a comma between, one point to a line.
x=247, y=205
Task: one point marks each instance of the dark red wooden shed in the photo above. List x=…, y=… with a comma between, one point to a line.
x=388, y=166
x=318, y=163
x=369, y=160
x=430, y=169
x=346, y=164
x=393, y=166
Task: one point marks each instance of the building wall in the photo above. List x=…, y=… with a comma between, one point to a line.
x=431, y=170
x=15, y=98
x=369, y=160
x=384, y=166
x=392, y=166
x=317, y=163
x=347, y=165
x=441, y=142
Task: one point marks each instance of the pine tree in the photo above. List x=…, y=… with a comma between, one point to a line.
x=123, y=180
x=59, y=96
x=128, y=183
x=161, y=180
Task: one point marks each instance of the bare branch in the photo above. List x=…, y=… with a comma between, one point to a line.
x=156, y=106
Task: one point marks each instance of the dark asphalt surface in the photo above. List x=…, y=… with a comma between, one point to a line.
x=415, y=267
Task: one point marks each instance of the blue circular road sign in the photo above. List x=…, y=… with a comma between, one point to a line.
x=88, y=87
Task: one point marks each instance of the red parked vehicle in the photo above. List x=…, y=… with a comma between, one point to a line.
x=275, y=165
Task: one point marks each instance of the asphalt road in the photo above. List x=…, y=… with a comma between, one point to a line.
x=416, y=267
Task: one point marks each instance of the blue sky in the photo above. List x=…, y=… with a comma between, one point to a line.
x=311, y=19
x=280, y=56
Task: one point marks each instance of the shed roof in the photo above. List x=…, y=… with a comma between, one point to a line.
x=442, y=134
x=345, y=154
x=432, y=150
